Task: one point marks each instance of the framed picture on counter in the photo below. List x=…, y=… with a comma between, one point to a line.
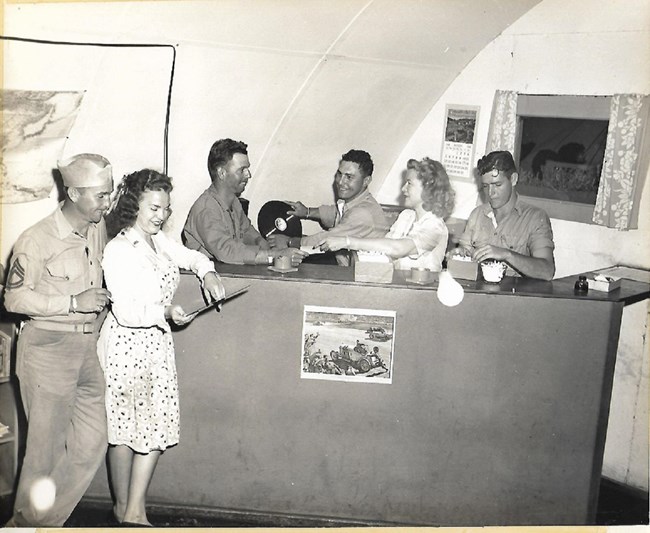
x=343, y=344
x=459, y=139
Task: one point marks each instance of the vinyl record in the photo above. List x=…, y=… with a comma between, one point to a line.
x=273, y=219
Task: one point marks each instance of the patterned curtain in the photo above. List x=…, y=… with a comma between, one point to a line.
x=503, y=122
x=626, y=163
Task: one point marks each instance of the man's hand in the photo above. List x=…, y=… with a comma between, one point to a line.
x=92, y=300
x=488, y=251
x=332, y=244
x=298, y=209
x=213, y=288
x=459, y=251
x=296, y=256
x=278, y=242
x=262, y=243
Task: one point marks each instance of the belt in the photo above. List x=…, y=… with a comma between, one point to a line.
x=86, y=327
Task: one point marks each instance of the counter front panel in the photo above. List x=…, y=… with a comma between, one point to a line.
x=496, y=414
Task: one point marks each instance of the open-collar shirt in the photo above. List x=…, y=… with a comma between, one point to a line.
x=524, y=230
x=361, y=217
x=221, y=232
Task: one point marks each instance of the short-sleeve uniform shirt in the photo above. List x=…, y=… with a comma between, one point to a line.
x=524, y=230
x=225, y=234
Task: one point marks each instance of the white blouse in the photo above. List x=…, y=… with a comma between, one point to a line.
x=430, y=235
x=130, y=269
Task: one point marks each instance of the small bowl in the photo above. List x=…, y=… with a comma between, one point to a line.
x=282, y=262
x=493, y=271
x=421, y=275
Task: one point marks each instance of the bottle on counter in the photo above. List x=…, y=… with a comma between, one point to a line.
x=582, y=285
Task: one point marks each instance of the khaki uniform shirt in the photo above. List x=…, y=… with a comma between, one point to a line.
x=50, y=263
x=361, y=217
x=524, y=230
x=226, y=235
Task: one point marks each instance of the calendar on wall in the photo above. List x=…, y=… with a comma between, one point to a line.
x=458, y=144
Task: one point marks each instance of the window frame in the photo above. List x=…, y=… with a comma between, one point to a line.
x=591, y=107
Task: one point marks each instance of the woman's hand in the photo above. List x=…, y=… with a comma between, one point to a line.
x=213, y=288
x=333, y=244
x=176, y=314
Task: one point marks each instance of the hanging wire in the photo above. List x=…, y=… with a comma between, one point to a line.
x=120, y=45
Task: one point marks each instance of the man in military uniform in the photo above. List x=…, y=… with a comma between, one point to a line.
x=55, y=279
x=355, y=214
x=507, y=228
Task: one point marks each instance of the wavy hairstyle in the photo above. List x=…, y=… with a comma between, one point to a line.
x=222, y=152
x=361, y=158
x=437, y=193
x=500, y=160
x=126, y=204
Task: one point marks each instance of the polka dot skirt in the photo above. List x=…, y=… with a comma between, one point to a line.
x=141, y=384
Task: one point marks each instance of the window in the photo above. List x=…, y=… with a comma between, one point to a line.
x=560, y=146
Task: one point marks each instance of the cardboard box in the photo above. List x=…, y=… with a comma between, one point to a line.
x=372, y=268
x=462, y=269
x=604, y=283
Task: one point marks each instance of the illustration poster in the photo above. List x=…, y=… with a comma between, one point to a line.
x=348, y=344
x=458, y=145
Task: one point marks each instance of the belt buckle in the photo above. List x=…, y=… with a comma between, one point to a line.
x=87, y=328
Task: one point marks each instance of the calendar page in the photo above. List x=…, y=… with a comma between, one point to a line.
x=458, y=145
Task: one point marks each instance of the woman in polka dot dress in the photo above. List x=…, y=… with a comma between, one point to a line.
x=135, y=347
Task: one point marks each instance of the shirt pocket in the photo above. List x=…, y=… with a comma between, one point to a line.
x=65, y=270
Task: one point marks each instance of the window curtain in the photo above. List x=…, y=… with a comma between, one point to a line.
x=626, y=163
x=503, y=122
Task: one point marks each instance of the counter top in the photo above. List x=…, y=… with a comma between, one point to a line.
x=631, y=291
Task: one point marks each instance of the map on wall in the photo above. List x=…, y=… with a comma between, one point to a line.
x=35, y=126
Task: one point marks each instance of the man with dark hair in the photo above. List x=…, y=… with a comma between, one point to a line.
x=356, y=213
x=216, y=224
x=55, y=280
x=506, y=228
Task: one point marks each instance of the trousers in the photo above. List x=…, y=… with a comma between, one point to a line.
x=62, y=390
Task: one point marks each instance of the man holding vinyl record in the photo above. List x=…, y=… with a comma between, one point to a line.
x=355, y=214
x=217, y=225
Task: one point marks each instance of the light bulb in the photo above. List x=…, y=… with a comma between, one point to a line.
x=450, y=292
x=42, y=494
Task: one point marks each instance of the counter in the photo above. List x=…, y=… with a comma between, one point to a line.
x=496, y=413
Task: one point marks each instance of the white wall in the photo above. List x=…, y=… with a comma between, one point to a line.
x=121, y=116
x=580, y=47
x=300, y=82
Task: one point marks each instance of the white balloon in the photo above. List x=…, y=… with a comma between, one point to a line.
x=450, y=292
x=42, y=494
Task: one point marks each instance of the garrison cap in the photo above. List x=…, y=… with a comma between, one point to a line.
x=85, y=170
